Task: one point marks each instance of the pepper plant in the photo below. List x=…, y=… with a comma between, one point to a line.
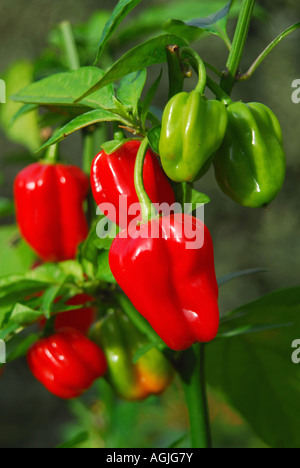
x=148, y=305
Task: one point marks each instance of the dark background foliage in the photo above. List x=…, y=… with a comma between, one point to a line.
x=243, y=238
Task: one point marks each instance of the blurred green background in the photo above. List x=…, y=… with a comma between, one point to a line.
x=243, y=238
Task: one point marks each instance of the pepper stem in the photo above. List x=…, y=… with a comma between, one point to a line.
x=191, y=371
x=49, y=327
x=218, y=91
x=145, y=202
x=198, y=63
x=51, y=155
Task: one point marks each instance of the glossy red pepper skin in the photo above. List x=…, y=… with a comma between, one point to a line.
x=80, y=319
x=49, y=205
x=112, y=176
x=66, y=363
x=172, y=286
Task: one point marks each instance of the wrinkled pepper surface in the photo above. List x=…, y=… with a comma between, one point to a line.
x=250, y=165
x=80, y=319
x=170, y=278
x=193, y=128
x=112, y=177
x=66, y=363
x=49, y=206
x=120, y=340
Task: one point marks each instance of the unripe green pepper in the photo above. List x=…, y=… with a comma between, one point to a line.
x=120, y=341
x=250, y=165
x=193, y=128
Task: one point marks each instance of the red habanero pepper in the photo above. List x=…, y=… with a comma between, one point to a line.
x=80, y=319
x=49, y=205
x=66, y=363
x=112, y=177
x=170, y=277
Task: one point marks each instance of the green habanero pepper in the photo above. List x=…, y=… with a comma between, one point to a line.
x=193, y=128
x=250, y=165
x=120, y=339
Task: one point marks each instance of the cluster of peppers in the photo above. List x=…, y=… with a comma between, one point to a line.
x=243, y=141
x=171, y=285
x=49, y=199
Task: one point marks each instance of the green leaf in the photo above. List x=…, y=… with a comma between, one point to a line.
x=120, y=109
x=238, y=274
x=111, y=146
x=148, y=53
x=131, y=88
x=150, y=21
x=23, y=314
x=11, y=328
x=186, y=195
x=23, y=111
x=154, y=137
x=18, y=346
x=15, y=255
x=73, y=269
x=48, y=273
x=7, y=207
x=122, y=9
x=255, y=371
x=104, y=272
x=62, y=89
x=83, y=121
x=4, y=312
x=210, y=21
x=89, y=249
x=148, y=99
x=25, y=131
x=50, y=295
x=17, y=288
x=216, y=23
x=189, y=33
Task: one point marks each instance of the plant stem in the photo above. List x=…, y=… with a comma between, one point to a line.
x=213, y=69
x=191, y=371
x=198, y=64
x=51, y=155
x=238, y=45
x=92, y=139
x=70, y=45
x=49, y=327
x=146, y=205
x=137, y=319
x=218, y=91
x=176, y=74
x=266, y=52
x=88, y=151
